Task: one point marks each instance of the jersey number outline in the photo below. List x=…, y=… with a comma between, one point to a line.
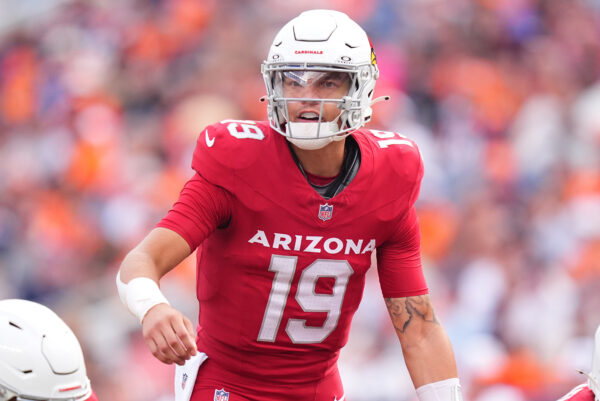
x=390, y=138
x=297, y=330
x=243, y=129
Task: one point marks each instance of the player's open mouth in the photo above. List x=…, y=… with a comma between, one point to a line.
x=308, y=116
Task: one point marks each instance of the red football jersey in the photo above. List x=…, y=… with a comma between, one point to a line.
x=92, y=397
x=579, y=393
x=281, y=270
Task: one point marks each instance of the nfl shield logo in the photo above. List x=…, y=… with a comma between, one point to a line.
x=185, y=377
x=221, y=395
x=325, y=211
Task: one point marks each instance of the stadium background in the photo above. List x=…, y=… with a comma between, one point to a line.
x=101, y=102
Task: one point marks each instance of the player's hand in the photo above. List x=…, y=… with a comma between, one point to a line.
x=169, y=334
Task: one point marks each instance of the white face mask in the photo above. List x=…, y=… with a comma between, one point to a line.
x=304, y=135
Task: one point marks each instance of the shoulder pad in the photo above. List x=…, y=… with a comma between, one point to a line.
x=395, y=156
x=228, y=146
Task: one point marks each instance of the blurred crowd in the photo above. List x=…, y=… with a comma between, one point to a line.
x=101, y=102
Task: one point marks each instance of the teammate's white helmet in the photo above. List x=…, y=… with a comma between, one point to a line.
x=321, y=41
x=40, y=357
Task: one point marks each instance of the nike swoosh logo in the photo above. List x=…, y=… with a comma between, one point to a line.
x=210, y=142
x=341, y=399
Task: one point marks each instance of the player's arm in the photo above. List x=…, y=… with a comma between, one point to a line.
x=167, y=332
x=425, y=345
x=155, y=255
x=427, y=350
x=199, y=210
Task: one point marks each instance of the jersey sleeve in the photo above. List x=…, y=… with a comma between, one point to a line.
x=200, y=209
x=399, y=261
x=399, y=258
x=227, y=150
x=212, y=157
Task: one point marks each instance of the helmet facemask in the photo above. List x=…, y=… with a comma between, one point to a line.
x=316, y=86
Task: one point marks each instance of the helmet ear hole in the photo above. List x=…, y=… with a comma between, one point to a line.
x=7, y=395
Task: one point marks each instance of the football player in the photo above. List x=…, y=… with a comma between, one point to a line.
x=589, y=391
x=40, y=357
x=285, y=215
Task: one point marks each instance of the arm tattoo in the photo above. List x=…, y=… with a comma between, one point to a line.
x=403, y=311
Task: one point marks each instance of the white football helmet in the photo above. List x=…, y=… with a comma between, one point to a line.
x=320, y=41
x=40, y=357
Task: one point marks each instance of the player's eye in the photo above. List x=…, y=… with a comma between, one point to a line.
x=290, y=83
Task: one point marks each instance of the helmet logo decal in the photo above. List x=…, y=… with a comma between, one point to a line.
x=373, y=56
x=308, y=52
x=325, y=212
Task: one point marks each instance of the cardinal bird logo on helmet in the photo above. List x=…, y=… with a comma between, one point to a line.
x=373, y=56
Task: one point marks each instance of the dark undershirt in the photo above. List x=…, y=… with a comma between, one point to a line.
x=347, y=173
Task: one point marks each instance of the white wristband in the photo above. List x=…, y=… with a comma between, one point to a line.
x=443, y=390
x=139, y=295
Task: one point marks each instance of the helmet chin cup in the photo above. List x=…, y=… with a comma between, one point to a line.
x=311, y=136
x=311, y=144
